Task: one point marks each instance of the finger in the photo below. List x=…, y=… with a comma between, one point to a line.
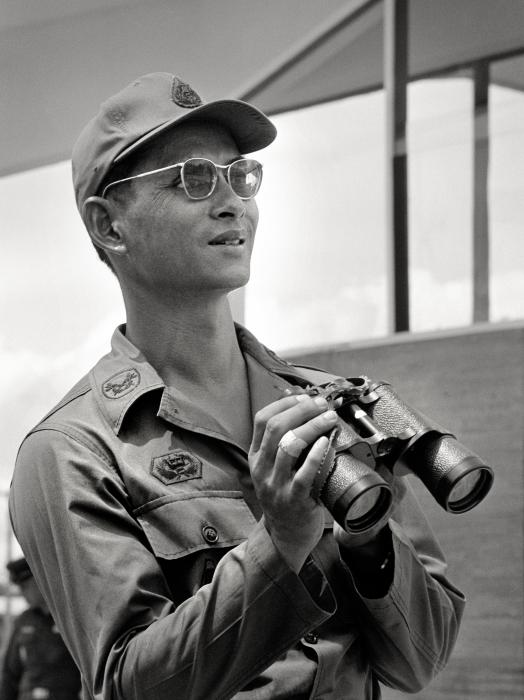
x=291, y=445
x=305, y=474
x=282, y=465
x=290, y=449
x=285, y=414
x=295, y=389
x=276, y=435
x=272, y=409
x=309, y=431
x=294, y=442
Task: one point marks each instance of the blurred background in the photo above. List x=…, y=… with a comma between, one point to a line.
x=390, y=240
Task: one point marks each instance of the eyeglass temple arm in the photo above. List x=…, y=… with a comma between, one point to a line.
x=135, y=177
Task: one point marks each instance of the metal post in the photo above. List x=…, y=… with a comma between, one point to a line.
x=480, y=193
x=395, y=86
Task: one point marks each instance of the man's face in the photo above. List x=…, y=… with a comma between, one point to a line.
x=177, y=245
x=32, y=594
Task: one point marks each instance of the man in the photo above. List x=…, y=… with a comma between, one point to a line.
x=162, y=504
x=36, y=663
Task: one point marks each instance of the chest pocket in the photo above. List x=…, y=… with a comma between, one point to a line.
x=180, y=525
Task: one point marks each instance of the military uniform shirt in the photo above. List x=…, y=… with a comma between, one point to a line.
x=136, y=512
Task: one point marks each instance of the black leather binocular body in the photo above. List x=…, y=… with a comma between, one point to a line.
x=376, y=427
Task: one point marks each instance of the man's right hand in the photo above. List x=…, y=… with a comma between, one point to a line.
x=292, y=517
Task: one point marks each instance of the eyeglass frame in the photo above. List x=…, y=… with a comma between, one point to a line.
x=181, y=165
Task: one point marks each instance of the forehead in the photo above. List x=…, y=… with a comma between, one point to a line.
x=188, y=140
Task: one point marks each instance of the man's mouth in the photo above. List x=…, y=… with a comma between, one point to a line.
x=233, y=241
x=228, y=239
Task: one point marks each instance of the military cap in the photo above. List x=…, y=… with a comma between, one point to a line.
x=19, y=570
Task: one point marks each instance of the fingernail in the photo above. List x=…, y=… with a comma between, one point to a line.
x=321, y=443
x=302, y=397
x=321, y=401
x=330, y=416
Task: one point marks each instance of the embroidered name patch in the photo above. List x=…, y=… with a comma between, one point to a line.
x=121, y=383
x=176, y=466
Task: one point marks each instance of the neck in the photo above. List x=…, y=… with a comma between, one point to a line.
x=191, y=338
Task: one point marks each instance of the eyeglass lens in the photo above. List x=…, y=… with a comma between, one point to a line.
x=199, y=177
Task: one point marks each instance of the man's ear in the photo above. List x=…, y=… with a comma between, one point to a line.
x=98, y=215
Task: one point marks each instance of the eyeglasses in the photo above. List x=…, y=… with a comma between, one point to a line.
x=199, y=177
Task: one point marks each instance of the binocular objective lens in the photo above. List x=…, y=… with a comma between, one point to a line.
x=368, y=509
x=469, y=490
x=364, y=504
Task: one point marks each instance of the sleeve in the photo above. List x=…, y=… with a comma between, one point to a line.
x=112, y=603
x=411, y=631
x=11, y=668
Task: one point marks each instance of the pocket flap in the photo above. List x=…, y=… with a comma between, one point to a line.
x=193, y=521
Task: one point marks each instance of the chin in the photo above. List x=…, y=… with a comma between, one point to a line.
x=233, y=287
x=235, y=279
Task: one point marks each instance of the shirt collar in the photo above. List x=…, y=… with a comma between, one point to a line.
x=267, y=358
x=121, y=377
x=124, y=375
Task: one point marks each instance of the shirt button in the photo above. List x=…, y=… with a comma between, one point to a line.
x=210, y=534
x=311, y=638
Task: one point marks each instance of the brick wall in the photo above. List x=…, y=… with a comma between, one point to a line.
x=472, y=382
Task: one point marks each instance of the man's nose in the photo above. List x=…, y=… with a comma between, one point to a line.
x=226, y=201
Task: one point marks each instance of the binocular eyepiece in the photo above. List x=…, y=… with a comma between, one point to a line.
x=376, y=427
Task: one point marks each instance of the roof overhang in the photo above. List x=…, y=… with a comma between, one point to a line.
x=60, y=58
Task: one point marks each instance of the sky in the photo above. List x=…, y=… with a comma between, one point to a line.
x=322, y=240
x=320, y=265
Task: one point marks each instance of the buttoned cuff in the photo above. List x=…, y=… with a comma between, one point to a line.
x=309, y=591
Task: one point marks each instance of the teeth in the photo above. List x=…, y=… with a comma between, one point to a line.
x=235, y=241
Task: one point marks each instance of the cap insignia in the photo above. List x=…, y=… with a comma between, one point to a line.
x=120, y=384
x=176, y=466
x=183, y=94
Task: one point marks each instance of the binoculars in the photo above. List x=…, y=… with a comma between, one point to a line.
x=376, y=427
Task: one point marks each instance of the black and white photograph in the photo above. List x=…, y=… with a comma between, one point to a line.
x=262, y=349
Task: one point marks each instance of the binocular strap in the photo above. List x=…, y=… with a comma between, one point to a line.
x=326, y=466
